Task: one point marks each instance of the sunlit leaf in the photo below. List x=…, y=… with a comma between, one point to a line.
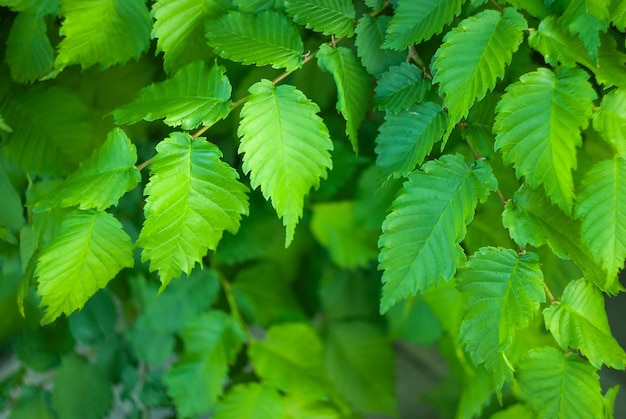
x=247, y=401
x=610, y=120
x=400, y=87
x=331, y=17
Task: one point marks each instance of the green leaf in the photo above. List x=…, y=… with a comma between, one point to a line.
x=194, y=96
x=609, y=401
x=370, y=33
x=560, y=386
x=39, y=7
x=30, y=405
x=179, y=29
x=90, y=249
x=96, y=321
x=290, y=358
x=106, y=32
x=579, y=321
x=474, y=56
x=503, y=292
x=261, y=39
x=12, y=208
x=334, y=226
x=406, y=138
x=353, y=86
x=586, y=19
x=192, y=198
x=4, y=126
x=250, y=401
x=610, y=120
x=195, y=381
x=420, y=237
x=29, y=53
x=361, y=364
x=101, y=180
x=415, y=21
x=400, y=87
x=285, y=148
x=330, y=17
x=80, y=390
x=538, y=126
x=255, y=6
x=617, y=13
x=602, y=210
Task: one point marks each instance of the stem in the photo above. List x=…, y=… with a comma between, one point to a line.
x=413, y=55
x=230, y=298
x=144, y=164
x=549, y=294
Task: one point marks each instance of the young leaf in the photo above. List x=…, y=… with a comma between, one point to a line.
x=193, y=197
x=586, y=19
x=400, y=87
x=90, y=249
x=370, y=33
x=194, y=96
x=579, y=321
x=105, y=32
x=179, y=29
x=29, y=53
x=261, y=39
x=474, y=56
x=252, y=400
x=602, y=210
x=503, y=292
x=406, y=138
x=285, y=147
x=560, y=386
x=419, y=244
x=353, y=86
x=101, y=180
x=415, y=21
x=290, y=359
x=331, y=17
x=38, y=7
x=618, y=14
x=538, y=125
x=212, y=341
x=610, y=120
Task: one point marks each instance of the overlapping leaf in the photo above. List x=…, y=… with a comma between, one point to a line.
x=101, y=180
x=353, y=86
x=538, y=128
x=586, y=19
x=29, y=52
x=285, y=147
x=503, y=292
x=400, y=87
x=421, y=235
x=261, y=39
x=331, y=17
x=106, y=32
x=192, y=198
x=252, y=400
x=417, y=20
x=474, y=56
x=89, y=250
x=610, y=120
x=406, y=138
x=618, y=14
x=370, y=33
x=39, y=7
x=195, y=95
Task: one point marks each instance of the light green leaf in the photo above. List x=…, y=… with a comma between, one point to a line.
x=361, y=363
x=560, y=386
x=400, y=87
x=536, y=8
x=29, y=53
x=610, y=120
x=609, y=401
x=415, y=21
x=4, y=126
x=617, y=13
x=353, y=86
x=194, y=96
x=285, y=148
x=370, y=33
x=101, y=180
x=192, y=198
x=334, y=226
x=261, y=39
x=296, y=408
x=39, y=7
x=516, y=411
x=474, y=56
x=421, y=235
x=331, y=17
x=538, y=128
x=195, y=381
x=579, y=321
x=503, y=292
x=90, y=249
x=602, y=210
x=406, y=138
x=250, y=401
x=179, y=29
x=105, y=32
x=290, y=358
x=586, y=19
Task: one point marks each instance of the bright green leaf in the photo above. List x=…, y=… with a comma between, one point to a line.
x=285, y=148
x=618, y=14
x=421, y=234
x=586, y=19
x=609, y=401
x=297, y=408
x=194, y=96
x=39, y=7
x=193, y=197
x=610, y=120
x=370, y=33
x=400, y=87
x=353, y=86
x=330, y=17
x=261, y=39
x=250, y=401
x=29, y=53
